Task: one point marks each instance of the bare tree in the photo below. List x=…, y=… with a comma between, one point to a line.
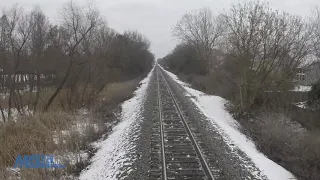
x=4, y=49
x=19, y=33
x=266, y=46
x=201, y=29
x=37, y=46
x=77, y=23
x=98, y=53
x=315, y=21
x=77, y=54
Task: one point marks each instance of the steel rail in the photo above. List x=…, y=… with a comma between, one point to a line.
x=204, y=163
x=164, y=166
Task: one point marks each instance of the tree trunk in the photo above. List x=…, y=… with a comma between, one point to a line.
x=11, y=80
x=2, y=113
x=64, y=80
x=38, y=93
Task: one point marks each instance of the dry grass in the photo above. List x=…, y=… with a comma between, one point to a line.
x=29, y=99
x=118, y=92
x=113, y=95
x=30, y=135
x=59, y=132
x=287, y=143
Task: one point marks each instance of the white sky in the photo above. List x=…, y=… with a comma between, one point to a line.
x=154, y=18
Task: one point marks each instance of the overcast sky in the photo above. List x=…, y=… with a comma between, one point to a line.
x=154, y=18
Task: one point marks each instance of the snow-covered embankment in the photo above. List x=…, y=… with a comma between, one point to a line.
x=111, y=156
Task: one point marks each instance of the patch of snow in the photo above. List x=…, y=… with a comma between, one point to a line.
x=83, y=111
x=15, y=114
x=3, y=95
x=80, y=126
x=213, y=107
x=302, y=89
x=111, y=156
x=302, y=105
x=72, y=158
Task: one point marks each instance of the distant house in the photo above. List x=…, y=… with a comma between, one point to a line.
x=308, y=75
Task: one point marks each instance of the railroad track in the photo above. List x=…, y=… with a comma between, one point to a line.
x=175, y=153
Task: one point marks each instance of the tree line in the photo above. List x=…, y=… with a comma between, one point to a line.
x=81, y=54
x=251, y=48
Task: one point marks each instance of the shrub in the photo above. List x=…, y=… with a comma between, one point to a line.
x=314, y=96
x=30, y=135
x=286, y=143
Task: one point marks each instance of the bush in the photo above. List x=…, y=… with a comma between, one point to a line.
x=30, y=135
x=314, y=96
x=286, y=143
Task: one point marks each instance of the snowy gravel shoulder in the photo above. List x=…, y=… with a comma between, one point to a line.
x=111, y=156
x=213, y=107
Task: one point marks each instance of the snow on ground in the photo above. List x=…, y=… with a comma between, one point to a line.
x=3, y=95
x=109, y=159
x=14, y=113
x=302, y=105
x=214, y=108
x=80, y=126
x=302, y=88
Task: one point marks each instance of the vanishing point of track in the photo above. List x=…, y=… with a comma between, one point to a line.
x=175, y=153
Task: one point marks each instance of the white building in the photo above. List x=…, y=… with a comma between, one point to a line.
x=309, y=75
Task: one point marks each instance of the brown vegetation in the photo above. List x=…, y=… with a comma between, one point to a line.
x=60, y=133
x=286, y=142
